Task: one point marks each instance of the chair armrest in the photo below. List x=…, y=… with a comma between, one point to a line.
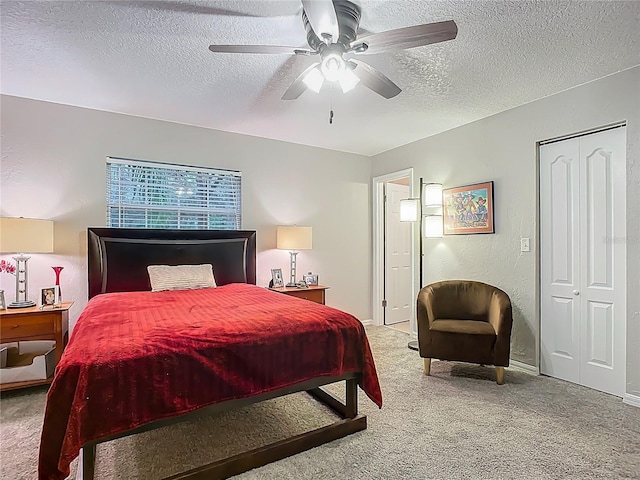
x=501, y=318
x=425, y=314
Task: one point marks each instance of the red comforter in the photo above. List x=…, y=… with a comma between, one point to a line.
x=140, y=356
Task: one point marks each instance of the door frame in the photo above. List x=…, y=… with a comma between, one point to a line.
x=538, y=262
x=378, y=245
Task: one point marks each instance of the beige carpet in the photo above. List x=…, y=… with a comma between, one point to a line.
x=456, y=424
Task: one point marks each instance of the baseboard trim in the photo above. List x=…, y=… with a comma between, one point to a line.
x=633, y=400
x=524, y=366
x=367, y=322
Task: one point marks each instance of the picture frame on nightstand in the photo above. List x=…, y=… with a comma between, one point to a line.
x=49, y=297
x=310, y=279
x=276, y=278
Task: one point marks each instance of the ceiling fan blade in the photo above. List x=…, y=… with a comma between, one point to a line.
x=298, y=87
x=409, y=37
x=374, y=79
x=278, y=9
x=274, y=49
x=322, y=17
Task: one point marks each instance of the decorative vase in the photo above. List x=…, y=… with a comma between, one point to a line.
x=58, y=270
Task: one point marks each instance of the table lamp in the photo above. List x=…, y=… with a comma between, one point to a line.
x=293, y=239
x=24, y=235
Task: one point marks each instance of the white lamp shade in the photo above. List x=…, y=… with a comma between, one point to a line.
x=432, y=194
x=293, y=238
x=26, y=235
x=433, y=227
x=409, y=209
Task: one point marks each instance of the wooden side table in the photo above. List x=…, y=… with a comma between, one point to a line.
x=31, y=323
x=315, y=293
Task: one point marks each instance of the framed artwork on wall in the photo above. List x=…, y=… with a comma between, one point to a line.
x=468, y=209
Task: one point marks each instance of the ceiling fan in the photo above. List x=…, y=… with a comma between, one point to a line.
x=332, y=31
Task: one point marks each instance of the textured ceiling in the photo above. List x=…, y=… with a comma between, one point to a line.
x=151, y=59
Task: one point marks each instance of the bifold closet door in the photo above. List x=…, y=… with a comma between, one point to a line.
x=560, y=260
x=583, y=273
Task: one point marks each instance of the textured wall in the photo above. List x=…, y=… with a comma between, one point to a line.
x=502, y=148
x=53, y=166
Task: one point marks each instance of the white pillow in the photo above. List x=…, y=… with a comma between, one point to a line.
x=180, y=277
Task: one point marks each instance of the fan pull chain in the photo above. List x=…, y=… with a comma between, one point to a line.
x=331, y=106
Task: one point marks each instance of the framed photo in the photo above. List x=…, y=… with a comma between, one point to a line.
x=3, y=304
x=310, y=279
x=277, y=278
x=49, y=296
x=468, y=209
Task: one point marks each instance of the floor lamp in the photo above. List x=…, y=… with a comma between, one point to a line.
x=427, y=210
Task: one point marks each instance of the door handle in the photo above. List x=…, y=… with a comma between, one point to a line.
x=576, y=292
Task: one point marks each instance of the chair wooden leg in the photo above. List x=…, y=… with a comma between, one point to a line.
x=427, y=366
x=500, y=375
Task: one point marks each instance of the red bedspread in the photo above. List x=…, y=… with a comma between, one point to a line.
x=140, y=356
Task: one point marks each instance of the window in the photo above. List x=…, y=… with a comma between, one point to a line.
x=158, y=195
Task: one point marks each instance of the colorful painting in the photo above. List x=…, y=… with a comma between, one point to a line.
x=468, y=209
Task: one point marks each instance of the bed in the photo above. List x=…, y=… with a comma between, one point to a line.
x=139, y=360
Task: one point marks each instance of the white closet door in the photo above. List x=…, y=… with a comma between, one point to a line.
x=560, y=260
x=602, y=231
x=582, y=271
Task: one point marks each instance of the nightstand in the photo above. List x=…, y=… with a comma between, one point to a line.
x=31, y=323
x=315, y=293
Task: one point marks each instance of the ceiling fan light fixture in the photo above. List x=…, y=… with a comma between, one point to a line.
x=348, y=80
x=332, y=28
x=314, y=80
x=332, y=67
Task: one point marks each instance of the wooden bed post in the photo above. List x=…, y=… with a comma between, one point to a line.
x=87, y=463
x=351, y=396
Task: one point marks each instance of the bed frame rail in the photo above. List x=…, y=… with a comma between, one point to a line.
x=350, y=422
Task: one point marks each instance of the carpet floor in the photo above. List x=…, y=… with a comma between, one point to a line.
x=456, y=424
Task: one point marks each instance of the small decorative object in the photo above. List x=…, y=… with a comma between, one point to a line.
x=7, y=267
x=58, y=270
x=49, y=296
x=276, y=277
x=469, y=209
x=310, y=279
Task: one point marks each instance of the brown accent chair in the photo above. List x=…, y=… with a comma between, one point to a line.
x=465, y=321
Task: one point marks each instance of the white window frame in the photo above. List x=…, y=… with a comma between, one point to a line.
x=158, y=200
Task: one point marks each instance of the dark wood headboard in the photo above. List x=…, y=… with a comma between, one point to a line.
x=118, y=257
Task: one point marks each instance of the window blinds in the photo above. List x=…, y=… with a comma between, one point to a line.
x=156, y=195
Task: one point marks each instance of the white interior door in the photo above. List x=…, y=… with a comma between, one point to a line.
x=603, y=231
x=583, y=273
x=560, y=260
x=398, y=293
